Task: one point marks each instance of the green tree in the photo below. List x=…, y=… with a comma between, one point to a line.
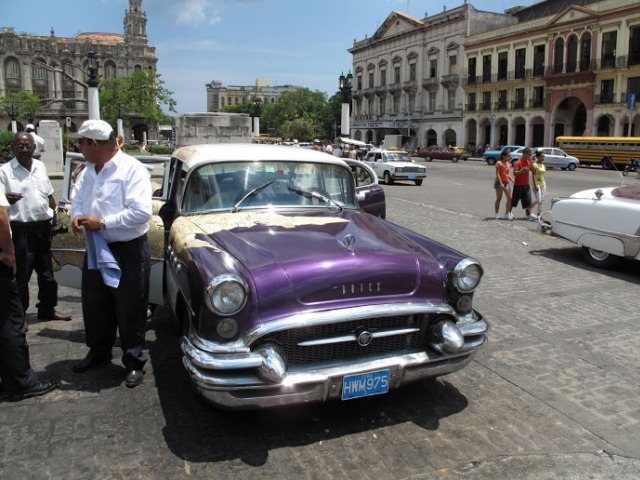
x=140, y=94
x=301, y=114
x=25, y=104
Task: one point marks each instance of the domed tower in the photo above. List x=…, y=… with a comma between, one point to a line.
x=135, y=24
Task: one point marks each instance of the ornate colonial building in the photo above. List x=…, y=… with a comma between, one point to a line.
x=407, y=76
x=566, y=68
x=48, y=65
x=523, y=77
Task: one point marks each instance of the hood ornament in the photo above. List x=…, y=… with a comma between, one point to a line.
x=348, y=242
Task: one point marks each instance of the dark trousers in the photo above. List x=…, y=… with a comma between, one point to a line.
x=32, y=243
x=123, y=309
x=15, y=370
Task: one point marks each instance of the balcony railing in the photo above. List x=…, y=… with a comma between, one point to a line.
x=450, y=80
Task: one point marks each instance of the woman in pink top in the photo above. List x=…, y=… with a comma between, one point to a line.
x=502, y=185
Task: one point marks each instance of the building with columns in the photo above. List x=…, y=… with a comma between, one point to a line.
x=47, y=66
x=524, y=76
x=407, y=76
x=565, y=68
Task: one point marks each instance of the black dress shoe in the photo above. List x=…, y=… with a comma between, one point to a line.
x=53, y=315
x=134, y=378
x=90, y=362
x=39, y=388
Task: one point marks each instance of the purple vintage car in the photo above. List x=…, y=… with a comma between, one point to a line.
x=289, y=284
x=289, y=292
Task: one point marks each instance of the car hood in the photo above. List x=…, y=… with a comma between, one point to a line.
x=325, y=259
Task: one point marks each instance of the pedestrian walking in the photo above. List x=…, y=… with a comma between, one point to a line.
x=502, y=186
x=25, y=182
x=538, y=169
x=17, y=379
x=521, y=185
x=39, y=141
x=112, y=205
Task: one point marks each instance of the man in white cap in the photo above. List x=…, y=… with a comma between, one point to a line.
x=38, y=140
x=113, y=199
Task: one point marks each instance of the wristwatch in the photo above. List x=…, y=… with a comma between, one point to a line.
x=102, y=224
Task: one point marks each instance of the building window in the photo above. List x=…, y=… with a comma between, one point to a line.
x=383, y=105
x=432, y=101
x=109, y=70
x=412, y=72
x=538, y=97
x=371, y=84
x=538, y=60
x=502, y=99
x=453, y=65
x=521, y=59
x=471, y=67
x=572, y=53
x=585, y=52
x=558, y=56
x=412, y=102
x=608, y=53
x=486, y=100
x=634, y=45
x=396, y=74
x=486, y=69
x=471, y=102
x=359, y=83
x=451, y=101
x=519, y=103
x=12, y=77
x=383, y=77
x=502, y=66
x=396, y=103
x=433, y=68
x=606, y=91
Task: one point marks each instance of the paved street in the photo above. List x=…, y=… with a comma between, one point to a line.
x=553, y=395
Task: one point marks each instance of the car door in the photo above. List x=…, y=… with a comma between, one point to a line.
x=68, y=249
x=370, y=194
x=551, y=158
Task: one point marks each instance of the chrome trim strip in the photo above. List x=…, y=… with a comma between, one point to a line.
x=212, y=361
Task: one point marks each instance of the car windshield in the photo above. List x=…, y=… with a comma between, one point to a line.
x=234, y=186
x=397, y=157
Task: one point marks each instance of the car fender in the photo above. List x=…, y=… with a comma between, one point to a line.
x=604, y=243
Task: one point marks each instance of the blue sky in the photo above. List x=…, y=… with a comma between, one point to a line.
x=294, y=42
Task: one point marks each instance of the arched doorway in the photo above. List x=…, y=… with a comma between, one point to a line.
x=139, y=132
x=570, y=117
x=605, y=126
x=431, y=137
x=449, y=138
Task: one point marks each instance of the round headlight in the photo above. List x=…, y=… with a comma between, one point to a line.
x=226, y=295
x=227, y=328
x=467, y=275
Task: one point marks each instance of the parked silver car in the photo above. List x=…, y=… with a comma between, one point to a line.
x=553, y=158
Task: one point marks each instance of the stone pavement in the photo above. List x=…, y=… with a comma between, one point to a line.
x=553, y=395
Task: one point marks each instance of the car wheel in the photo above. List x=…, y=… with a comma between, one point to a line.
x=418, y=182
x=607, y=163
x=454, y=159
x=428, y=158
x=491, y=161
x=600, y=259
x=387, y=178
x=571, y=167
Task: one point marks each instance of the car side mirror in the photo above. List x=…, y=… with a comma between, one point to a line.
x=361, y=196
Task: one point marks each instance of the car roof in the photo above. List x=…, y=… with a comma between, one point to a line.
x=195, y=155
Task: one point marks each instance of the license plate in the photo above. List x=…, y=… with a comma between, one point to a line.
x=412, y=177
x=365, y=384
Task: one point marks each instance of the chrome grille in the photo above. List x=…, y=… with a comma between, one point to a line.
x=411, y=169
x=406, y=343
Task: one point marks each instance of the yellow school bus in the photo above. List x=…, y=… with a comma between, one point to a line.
x=609, y=152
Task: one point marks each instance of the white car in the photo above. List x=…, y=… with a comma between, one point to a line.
x=553, y=158
x=393, y=165
x=605, y=222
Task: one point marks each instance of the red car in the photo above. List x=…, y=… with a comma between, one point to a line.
x=444, y=153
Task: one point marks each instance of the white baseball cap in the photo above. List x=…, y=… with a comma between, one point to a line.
x=94, y=129
x=29, y=127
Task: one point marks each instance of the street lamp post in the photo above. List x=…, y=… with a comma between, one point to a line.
x=120, y=127
x=93, y=99
x=345, y=85
x=255, y=111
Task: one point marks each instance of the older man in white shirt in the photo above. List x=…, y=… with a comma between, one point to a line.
x=25, y=182
x=113, y=199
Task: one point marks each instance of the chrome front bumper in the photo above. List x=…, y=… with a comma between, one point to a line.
x=229, y=380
